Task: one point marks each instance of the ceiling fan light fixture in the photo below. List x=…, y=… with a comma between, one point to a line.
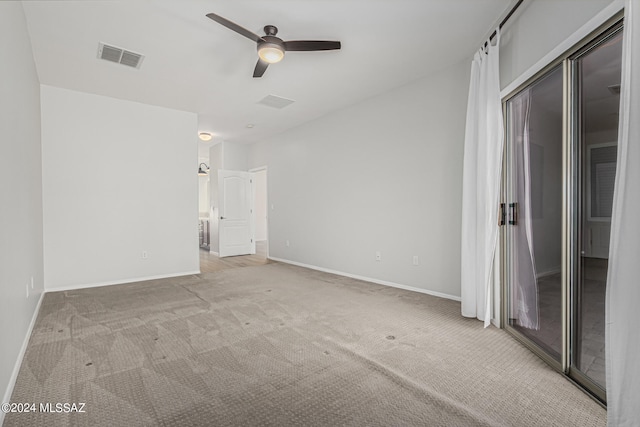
x=270, y=52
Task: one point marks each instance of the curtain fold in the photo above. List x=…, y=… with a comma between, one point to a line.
x=623, y=277
x=483, y=145
x=524, y=296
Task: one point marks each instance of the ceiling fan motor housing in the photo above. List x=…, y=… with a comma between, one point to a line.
x=271, y=41
x=270, y=30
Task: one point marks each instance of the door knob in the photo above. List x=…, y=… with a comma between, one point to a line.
x=222, y=217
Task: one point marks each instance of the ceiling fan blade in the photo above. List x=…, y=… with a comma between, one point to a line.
x=309, y=45
x=235, y=27
x=261, y=67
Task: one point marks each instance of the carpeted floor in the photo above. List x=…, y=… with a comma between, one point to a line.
x=278, y=345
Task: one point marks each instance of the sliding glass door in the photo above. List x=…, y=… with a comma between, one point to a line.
x=595, y=78
x=558, y=187
x=534, y=212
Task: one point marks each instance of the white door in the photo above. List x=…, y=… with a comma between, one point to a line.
x=236, y=213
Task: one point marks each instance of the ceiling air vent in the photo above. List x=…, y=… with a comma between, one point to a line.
x=275, y=101
x=121, y=56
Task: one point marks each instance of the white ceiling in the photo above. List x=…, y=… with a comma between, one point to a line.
x=192, y=63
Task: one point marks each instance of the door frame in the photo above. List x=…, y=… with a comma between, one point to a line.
x=266, y=198
x=574, y=214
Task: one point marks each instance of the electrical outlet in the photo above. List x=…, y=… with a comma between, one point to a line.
x=378, y=256
x=416, y=261
x=27, y=290
x=287, y=243
x=145, y=255
x=31, y=282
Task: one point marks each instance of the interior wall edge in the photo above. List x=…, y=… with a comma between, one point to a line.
x=16, y=367
x=368, y=279
x=21, y=215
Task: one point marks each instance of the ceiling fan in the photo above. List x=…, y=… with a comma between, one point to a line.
x=271, y=49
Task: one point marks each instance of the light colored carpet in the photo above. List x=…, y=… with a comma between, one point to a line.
x=279, y=345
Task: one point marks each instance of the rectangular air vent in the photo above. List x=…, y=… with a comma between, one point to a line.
x=121, y=56
x=275, y=101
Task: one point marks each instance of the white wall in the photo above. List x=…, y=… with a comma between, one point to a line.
x=260, y=204
x=214, y=216
x=118, y=179
x=383, y=175
x=21, y=190
x=537, y=28
x=235, y=156
x=229, y=156
x=203, y=190
x=203, y=196
x=216, y=156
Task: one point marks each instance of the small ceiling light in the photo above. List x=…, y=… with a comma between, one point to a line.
x=270, y=52
x=205, y=136
x=203, y=171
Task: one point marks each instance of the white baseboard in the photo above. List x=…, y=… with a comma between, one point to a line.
x=369, y=279
x=16, y=367
x=120, y=282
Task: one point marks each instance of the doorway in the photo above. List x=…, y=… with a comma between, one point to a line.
x=225, y=207
x=560, y=157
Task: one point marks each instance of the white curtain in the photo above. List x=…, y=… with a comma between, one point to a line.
x=483, y=144
x=524, y=283
x=623, y=279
